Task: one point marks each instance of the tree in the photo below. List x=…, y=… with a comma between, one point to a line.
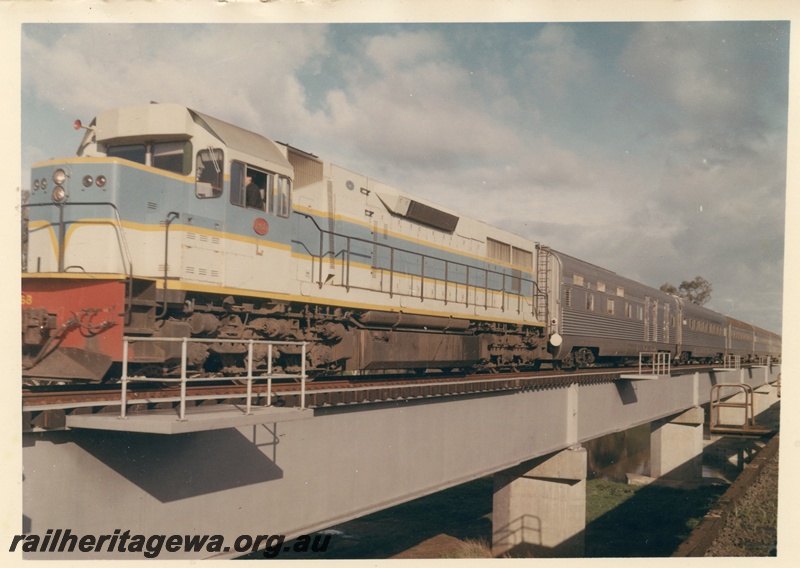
x=697, y=291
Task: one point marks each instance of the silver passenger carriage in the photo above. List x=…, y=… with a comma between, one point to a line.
x=598, y=316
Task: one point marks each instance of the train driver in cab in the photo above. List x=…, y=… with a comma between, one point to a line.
x=253, y=197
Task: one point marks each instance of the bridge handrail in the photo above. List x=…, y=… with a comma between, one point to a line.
x=715, y=403
x=184, y=379
x=659, y=362
x=732, y=362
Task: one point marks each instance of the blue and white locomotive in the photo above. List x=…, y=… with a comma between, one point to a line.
x=150, y=232
x=171, y=223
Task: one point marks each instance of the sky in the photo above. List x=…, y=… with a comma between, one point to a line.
x=649, y=138
x=655, y=149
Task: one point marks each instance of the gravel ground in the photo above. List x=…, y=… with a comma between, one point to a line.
x=752, y=523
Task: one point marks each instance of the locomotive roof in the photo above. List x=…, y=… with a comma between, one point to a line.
x=242, y=140
x=164, y=120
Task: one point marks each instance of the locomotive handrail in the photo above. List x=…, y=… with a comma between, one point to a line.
x=347, y=254
x=62, y=230
x=184, y=379
x=123, y=242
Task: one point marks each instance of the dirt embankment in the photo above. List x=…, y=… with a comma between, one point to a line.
x=745, y=520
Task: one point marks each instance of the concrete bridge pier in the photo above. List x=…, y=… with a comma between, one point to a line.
x=676, y=446
x=539, y=507
x=764, y=397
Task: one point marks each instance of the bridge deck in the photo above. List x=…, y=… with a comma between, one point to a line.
x=280, y=476
x=197, y=419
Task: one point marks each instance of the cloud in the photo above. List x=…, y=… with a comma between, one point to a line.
x=245, y=74
x=601, y=140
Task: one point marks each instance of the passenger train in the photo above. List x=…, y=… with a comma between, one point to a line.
x=169, y=223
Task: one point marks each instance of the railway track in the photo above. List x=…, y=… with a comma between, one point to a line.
x=45, y=408
x=320, y=392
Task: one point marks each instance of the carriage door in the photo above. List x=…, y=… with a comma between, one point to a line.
x=655, y=322
x=651, y=319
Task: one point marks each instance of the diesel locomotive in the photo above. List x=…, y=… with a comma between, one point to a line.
x=169, y=223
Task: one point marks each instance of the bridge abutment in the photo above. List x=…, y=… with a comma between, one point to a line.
x=539, y=507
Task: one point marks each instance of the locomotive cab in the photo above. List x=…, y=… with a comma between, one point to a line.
x=139, y=212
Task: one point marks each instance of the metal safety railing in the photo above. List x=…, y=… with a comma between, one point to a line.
x=184, y=378
x=746, y=392
x=655, y=362
x=763, y=361
x=732, y=362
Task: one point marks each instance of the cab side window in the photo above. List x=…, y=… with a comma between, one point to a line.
x=252, y=187
x=237, y=183
x=209, y=173
x=132, y=152
x=283, y=203
x=173, y=156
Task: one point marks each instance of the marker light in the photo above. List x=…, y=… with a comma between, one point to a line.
x=59, y=194
x=101, y=181
x=59, y=176
x=35, y=184
x=87, y=181
x=77, y=124
x=44, y=183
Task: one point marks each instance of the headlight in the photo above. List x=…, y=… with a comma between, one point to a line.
x=59, y=194
x=87, y=181
x=59, y=176
x=101, y=181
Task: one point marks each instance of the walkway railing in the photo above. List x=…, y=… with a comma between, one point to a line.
x=656, y=363
x=479, y=279
x=731, y=363
x=184, y=379
x=741, y=391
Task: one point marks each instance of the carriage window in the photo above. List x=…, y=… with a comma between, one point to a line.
x=610, y=306
x=173, y=156
x=628, y=311
x=132, y=152
x=283, y=197
x=209, y=173
x=590, y=301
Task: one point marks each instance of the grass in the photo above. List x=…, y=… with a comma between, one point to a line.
x=648, y=521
